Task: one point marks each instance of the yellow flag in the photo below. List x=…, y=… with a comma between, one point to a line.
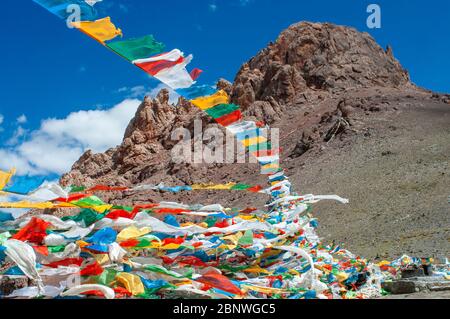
x=254, y=141
x=342, y=276
x=257, y=270
x=383, y=263
x=170, y=247
x=101, y=30
x=264, y=290
x=29, y=205
x=102, y=259
x=208, y=102
x=6, y=177
x=213, y=187
x=271, y=166
x=132, y=232
x=131, y=282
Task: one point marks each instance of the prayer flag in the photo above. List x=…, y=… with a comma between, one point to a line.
x=101, y=30
x=137, y=48
x=208, y=102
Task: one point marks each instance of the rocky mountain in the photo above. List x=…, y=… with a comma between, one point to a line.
x=351, y=123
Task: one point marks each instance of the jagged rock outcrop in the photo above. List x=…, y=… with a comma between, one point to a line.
x=145, y=147
x=313, y=56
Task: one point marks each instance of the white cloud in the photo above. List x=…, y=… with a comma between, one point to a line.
x=58, y=143
x=22, y=119
x=18, y=134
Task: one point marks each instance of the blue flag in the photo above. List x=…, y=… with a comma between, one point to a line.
x=6, y=217
x=196, y=91
x=23, y=185
x=65, y=8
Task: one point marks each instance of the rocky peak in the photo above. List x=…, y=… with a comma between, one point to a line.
x=305, y=70
x=313, y=56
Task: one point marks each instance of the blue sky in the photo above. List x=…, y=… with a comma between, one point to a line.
x=59, y=87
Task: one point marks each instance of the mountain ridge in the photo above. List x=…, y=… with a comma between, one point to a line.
x=327, y=88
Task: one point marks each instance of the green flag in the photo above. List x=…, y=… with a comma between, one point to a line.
x=222, y=110
x=247, y=239
x=138, y=48
x=240, y=187
x=91, y=201
x=264, y=146
x=87, y=216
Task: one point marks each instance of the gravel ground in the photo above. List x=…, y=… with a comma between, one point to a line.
x=397, y=177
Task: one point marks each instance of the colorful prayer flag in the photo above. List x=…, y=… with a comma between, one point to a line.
x=64, y=9
x=222, y=110
x=208, y=102
x=101, y=30
x=24, y=185
x=137, y=48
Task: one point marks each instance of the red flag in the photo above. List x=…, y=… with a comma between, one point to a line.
x=122, y=293
x=229, y=119
x=34, y=231
x=103, y=188
x=248, y=210
x=255, y=189
x=43, y=250
x=195, y=73
x=222, y=224
x=66, y=262
x=92, y=270
x=191, y=261
x=71, y=198
x=175, y=211
x=177, y=241
x=263, y=153
x=116, y=214
x=219, y=281
x=153, y=68
x=129, y=243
